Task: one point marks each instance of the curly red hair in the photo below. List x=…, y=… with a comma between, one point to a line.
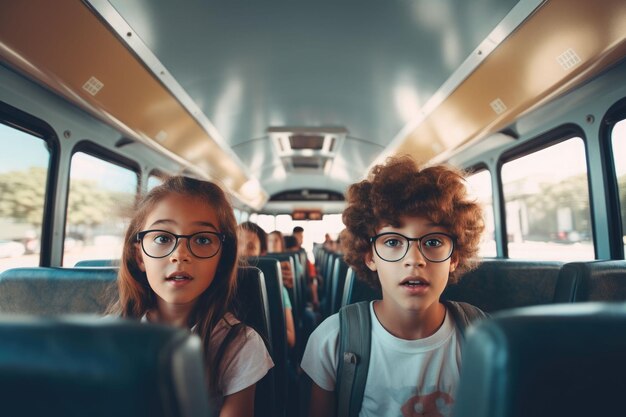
x=400, y=188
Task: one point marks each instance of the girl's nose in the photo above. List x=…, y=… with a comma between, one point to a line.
x=181, y=252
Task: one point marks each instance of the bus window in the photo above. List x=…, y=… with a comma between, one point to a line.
x=546, y=197
x=100, y=199
x=479, y=185
x=153, y=181
x=618, y=140
x=23, y=175
x=283, y=223
x=266, y=221
x=237, y=214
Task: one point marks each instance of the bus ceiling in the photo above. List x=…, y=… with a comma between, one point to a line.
x=273, y=96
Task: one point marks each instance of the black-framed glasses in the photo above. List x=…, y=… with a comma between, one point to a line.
x=161, y=243
x=434, y=247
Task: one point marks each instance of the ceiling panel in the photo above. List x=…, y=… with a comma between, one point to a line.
x=367, y=66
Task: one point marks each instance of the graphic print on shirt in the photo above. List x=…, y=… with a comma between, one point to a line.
x=435, y=404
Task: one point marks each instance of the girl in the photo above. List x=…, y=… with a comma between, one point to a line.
x=178, y=267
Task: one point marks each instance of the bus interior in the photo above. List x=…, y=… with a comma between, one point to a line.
x=285, y=105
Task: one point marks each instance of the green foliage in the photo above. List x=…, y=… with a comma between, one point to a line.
x=23, y=195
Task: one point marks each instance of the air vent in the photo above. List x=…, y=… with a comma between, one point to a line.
x=314, y=142
x=304, y=162
x=307, y=149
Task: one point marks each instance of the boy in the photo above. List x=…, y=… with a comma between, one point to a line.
x=410, y=231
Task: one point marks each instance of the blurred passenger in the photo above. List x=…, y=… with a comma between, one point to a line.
x=253, y=243
x=252, y=239
x=329, y=243
x=275, y=242
x=292, y=245
x=342, y=241
x=298, y=233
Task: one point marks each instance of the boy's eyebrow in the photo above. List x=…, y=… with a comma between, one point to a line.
x=173, y=222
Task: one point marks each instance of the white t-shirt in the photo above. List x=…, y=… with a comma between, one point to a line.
x=245, y=361
x=404, y=376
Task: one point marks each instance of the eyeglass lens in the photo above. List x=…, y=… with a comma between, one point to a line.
x=158, y=244
x=435, y=247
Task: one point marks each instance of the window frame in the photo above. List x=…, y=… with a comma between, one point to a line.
x=32, y=125
x=94, y=150
x=540, y=142
x=616, y=113
x=475, y=169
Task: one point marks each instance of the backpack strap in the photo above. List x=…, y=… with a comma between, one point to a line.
x=354, y=357
x=355, y=333
x=463, y=314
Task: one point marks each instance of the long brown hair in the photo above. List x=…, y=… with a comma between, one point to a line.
x=135, y=295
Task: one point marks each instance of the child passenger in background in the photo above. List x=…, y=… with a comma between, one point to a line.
x=178, y=267
x=252, y=239
x=410, y=232
x=275, y=242
x=252, y=244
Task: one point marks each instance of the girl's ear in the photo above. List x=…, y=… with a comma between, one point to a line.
x=139, y=258
x=369, y=261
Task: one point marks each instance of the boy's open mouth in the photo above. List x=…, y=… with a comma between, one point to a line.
x=414, y=283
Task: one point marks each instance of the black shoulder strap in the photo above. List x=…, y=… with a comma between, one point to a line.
x=354, y=357
x=463, y=314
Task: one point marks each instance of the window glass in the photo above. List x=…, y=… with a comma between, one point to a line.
x=252, y=218
x=153, y=181
x=266, y=221
x=618, y=138
x=547, y=204
x=314, y=230
x=24, y=164
x=237, y=214
x=100, y=204
x=479, y=186
x=284, y=223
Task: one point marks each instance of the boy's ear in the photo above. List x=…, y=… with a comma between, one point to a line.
x=139, y=258
x=453, y=263
x=369, y=261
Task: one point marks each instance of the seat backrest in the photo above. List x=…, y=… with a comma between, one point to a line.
x=274, y=289
x=499, y=284
x=559, y=360
x=86, y=366
x=98, y=262
x=328, y=284
x=594, y=281
x=296, y=292
x=340, y=271
x=49, y=291
x=253, y=310
x=356, y=290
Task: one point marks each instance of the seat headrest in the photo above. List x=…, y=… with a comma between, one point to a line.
x=89, y=366
x=559, y=360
